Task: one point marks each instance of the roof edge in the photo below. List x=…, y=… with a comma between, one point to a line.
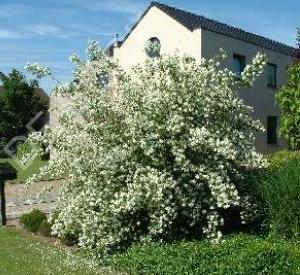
x=287, y=49
x=152, y=4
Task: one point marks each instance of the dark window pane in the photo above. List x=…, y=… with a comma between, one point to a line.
x=272, y=130
x=239, y=63
x=271, y=75
x=153, y=48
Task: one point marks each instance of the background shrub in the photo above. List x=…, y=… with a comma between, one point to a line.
x=20, y=101
x=253, y=205
x=26, y=149
x=288, y=100
x=239, y=255
x=33, y=220
x=281, y=158
x=280, y=190
x=275, y=193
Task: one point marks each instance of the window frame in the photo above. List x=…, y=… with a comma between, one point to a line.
x=242, y=60
x=272, y=130
x=271, y=85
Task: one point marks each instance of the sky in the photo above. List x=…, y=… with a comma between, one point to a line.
x=49, y=31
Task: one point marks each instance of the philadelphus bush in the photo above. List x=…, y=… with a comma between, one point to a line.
x=152, y=153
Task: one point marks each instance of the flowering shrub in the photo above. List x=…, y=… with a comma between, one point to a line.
x=150, y=153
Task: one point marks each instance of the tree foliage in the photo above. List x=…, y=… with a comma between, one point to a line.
x=288, y=99
x=298, y=38
x=152, y=153
x=19, y=104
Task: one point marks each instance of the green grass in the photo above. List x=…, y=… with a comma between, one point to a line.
x=238, y=255
x=22, y=255
x=24, y=174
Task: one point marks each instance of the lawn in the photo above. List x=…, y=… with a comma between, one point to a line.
x=21, y=253
x=24, y=255
x=24, y=174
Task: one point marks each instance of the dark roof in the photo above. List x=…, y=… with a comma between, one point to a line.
x=193, y=21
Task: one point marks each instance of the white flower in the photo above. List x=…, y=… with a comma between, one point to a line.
x=37, y=70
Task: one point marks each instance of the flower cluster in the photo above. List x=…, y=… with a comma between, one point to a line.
x=154, y=154
x=38, y=70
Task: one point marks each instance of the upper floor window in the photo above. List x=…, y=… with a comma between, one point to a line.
x=271, y=75
x=153, y=47
x=239, y=63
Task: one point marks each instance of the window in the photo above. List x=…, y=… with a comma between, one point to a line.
x=153, y=47
x=271, y=75
x=239, y=63
x=272, y=130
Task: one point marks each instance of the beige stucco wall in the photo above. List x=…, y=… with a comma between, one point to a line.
x=174, y=38
x=260, y=96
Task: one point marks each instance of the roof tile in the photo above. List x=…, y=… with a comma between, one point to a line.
x=193, y=21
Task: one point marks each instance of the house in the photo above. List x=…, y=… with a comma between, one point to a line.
x=179, y=31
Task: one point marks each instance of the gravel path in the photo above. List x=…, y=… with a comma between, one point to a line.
x=22, y=198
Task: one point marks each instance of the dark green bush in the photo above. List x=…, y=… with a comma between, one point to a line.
x=20, y=101
x=240, y=255
x=33, y=220
x=276, y=195
x=280, y=190
x=254, y=206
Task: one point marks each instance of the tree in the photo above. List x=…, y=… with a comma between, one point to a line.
x=288, y=99
x=152, y=154
x=19, y=103
x=298, y=44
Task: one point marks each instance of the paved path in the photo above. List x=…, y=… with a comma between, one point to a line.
x=22, y=198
